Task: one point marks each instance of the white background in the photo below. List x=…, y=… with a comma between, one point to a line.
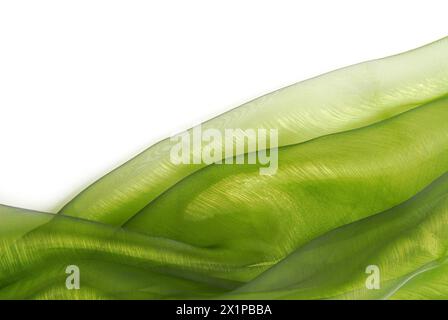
x=85, y=85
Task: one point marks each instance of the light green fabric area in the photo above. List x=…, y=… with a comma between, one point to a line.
x=342, y=100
